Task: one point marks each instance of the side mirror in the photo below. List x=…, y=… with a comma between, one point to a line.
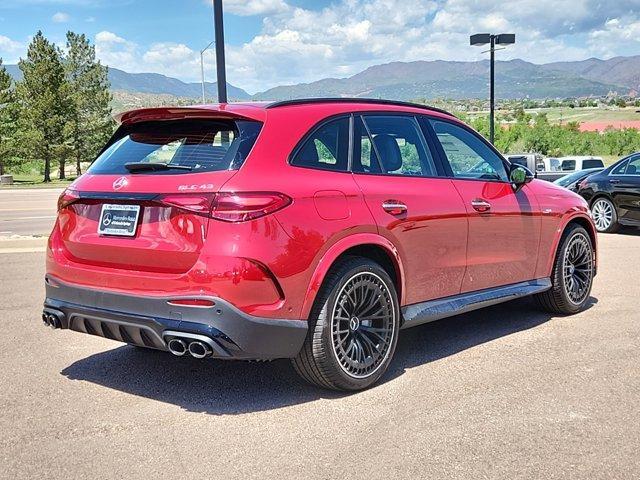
x=519, y=176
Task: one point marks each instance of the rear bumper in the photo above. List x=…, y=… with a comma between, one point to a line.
x=145, y=321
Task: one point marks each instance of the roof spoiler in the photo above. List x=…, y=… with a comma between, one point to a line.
x=176, y=113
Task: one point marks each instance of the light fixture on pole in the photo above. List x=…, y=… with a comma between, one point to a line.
x=202, y=67
x=492, y=40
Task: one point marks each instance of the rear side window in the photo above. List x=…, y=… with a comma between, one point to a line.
x=568, y=165
x=391, y=145
x=592, y=164
x=326, y=148
x=201, y=145
x=633, y=167
x=620, y=169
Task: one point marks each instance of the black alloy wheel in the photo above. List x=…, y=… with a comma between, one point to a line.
x=353, y=327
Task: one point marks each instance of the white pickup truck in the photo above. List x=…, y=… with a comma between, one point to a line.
x=551, y=168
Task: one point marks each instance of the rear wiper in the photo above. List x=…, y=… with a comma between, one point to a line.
x=134, y=167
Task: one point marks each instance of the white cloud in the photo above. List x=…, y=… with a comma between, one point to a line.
x=306, y=44
x=117, y=52
x=60, y=17
x=10, y=49
x=8, y=45
x=109, y=38
x=254, y=7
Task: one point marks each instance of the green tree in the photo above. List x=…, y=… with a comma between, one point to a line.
x=89, y=124
x=7, y=117
x=44, y=101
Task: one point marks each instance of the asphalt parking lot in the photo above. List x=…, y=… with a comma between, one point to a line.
x=506, y=392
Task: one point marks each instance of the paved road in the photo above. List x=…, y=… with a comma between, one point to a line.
x=507, y=392
x=27, y=212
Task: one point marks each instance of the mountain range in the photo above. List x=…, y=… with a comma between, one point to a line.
x=423, y=79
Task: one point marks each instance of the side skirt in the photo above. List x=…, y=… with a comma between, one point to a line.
x=425, y=312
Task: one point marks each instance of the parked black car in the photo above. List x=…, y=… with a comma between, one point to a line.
x=572, y=180
x=614, y=194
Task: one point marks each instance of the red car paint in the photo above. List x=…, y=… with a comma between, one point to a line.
x=273, y=266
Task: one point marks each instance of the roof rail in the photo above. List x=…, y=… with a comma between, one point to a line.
x=373, y=101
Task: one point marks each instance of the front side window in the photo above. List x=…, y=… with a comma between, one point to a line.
x=568, y=165
x=191, y=146
x=326, y=148
x=391, y=145
x=468, y=155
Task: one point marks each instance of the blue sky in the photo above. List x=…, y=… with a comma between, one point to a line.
x=272, y=42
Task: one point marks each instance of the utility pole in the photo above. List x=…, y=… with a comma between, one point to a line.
x=218, y=26
x=202, y=68
x=492, y=90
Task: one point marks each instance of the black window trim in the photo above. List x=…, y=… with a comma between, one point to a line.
x=443, y=156
x=428, y=134
x=440, y=172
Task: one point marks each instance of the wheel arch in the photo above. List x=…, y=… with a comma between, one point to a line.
x=372, y=246
x=599, y=195
x=582, y=220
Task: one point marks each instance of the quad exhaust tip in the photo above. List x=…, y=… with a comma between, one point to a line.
x=51, y=320
x=199, y=349
x=195, y=348
x=177, y=347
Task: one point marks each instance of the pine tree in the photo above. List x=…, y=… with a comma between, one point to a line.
x=44, y=101
x=89, y=124
x=7, y=116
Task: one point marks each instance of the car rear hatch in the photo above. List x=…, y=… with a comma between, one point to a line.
x=144, y=204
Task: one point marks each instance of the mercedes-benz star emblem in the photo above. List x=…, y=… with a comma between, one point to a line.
x=119, y=183
x=106, y=220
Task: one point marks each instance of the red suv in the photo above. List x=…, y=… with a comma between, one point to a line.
x=310, y=229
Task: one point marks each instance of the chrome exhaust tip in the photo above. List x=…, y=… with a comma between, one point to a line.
x=177, y=347
x=45, y=319
x=199, y=349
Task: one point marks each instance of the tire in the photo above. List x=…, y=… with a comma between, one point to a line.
x=570, y=293
x=605, y=215
x=353, y=327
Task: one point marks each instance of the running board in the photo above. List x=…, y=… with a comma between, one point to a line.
x=425, y=312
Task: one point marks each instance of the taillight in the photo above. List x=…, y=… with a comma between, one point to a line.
x=244, y=206
x=228, y=206
x=67, y=198
x=195, y=203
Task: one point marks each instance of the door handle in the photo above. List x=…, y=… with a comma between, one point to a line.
x=480, y=205
x=394, y=207
x=614, y=180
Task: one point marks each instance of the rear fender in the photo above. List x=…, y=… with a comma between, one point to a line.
x=340, y=247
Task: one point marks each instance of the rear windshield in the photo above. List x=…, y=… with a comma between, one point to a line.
x=595, y=163
x=571, y=178
x=518, y=161
x=201, y=145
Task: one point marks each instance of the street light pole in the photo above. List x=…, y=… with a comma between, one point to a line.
x=202, y=67
x=492, y=90
x=220, y=61
x=492, y=41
